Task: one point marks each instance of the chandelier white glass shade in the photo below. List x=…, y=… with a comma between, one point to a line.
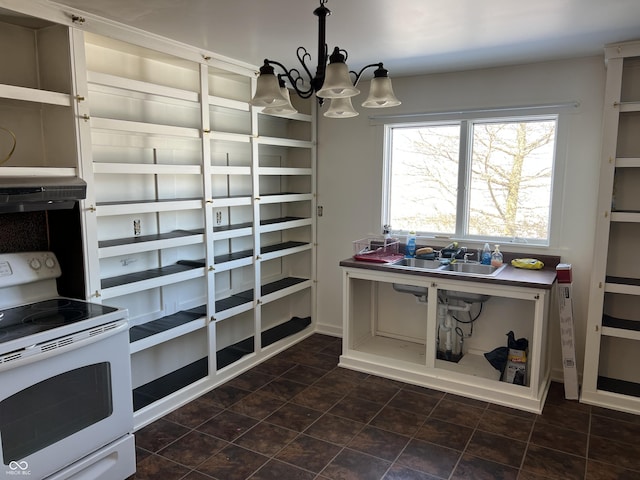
x=332, y=81
x=337, y=82
x=381, y=91
x=287, y=108
x=340, y=108
x=268, y=90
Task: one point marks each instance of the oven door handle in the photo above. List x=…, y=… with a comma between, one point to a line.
x=45, y=350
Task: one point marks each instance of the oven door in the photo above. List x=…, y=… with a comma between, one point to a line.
x=59, y=406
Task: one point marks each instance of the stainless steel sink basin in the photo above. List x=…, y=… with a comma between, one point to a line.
x=466, y=296
x=418, y=263
x=459, y=268
x=473, y=269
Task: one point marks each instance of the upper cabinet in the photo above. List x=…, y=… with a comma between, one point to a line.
x=613, y=331
x=36, y=96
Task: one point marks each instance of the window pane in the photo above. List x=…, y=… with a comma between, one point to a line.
x=511, y=174
x=424, y=178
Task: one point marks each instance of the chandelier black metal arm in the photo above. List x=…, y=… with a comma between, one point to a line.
x=303, y=55
x=295, y=78
x=380, y=72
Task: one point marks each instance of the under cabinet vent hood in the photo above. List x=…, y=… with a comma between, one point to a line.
x=33, y=193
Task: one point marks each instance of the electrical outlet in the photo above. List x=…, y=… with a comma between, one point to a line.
x=136, y=227
x=218, y=217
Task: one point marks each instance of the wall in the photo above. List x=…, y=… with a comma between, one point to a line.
x=23, y=232
x=350, y=169
x=54, y=230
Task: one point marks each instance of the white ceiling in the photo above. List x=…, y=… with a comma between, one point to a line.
x=409, y=36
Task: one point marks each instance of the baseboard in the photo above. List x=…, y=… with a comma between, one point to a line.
x=329, y=330
x=557, y=375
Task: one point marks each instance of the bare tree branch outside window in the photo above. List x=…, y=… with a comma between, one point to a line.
x=509, y=176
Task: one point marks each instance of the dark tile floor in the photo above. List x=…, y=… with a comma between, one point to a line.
x=298, y=416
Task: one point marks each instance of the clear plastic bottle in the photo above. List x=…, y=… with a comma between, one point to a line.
x=496, y=257
x=410, y=250
x=486, y=255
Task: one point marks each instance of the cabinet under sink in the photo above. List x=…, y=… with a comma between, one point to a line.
x=384, y=334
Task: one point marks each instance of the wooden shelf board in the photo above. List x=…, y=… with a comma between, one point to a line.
x=140, y=86
x=619, y=386
x=34, y=95
x=166, y=328
x=105, y=209
x=146, y=169
x=145, y=243
x=148, y=279
x=628, y=216
x=627, y=162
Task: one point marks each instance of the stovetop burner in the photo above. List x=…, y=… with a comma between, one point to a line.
x=41, y=316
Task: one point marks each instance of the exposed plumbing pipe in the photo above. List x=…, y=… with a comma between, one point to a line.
x=445, y=323
x=465, y=307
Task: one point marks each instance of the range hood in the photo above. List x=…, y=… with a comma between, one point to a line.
x=34, y=193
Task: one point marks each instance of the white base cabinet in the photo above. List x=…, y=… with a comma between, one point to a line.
x=398, y=335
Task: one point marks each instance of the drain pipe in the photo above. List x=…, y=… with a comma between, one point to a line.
x=445, y=322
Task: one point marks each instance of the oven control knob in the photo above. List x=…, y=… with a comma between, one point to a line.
x=49, y=262
x=35, y=264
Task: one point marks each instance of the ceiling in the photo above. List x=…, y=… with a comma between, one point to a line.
x=409, y=36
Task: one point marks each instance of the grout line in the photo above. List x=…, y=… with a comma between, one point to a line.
x=586, y=453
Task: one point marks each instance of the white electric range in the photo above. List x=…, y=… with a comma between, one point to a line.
x=65, y=380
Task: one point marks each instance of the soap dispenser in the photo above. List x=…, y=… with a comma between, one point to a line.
x=496, y=257
x=486, y=255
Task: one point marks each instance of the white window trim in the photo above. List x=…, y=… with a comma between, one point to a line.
x=489, y=114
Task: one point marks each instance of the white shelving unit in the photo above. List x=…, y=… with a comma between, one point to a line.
x=199, y=218
x=613, y=327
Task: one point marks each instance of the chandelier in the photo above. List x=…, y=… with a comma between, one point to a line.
x=332, y=81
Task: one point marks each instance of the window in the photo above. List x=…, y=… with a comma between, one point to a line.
x=484, y=179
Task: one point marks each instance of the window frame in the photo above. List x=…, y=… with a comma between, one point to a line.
x=466, y=120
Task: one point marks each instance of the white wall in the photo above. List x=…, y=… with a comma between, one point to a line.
x=350, y=169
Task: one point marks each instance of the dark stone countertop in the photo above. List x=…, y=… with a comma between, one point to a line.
x=518, y=277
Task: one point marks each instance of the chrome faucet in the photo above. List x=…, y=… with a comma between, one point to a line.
x=461, y=251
